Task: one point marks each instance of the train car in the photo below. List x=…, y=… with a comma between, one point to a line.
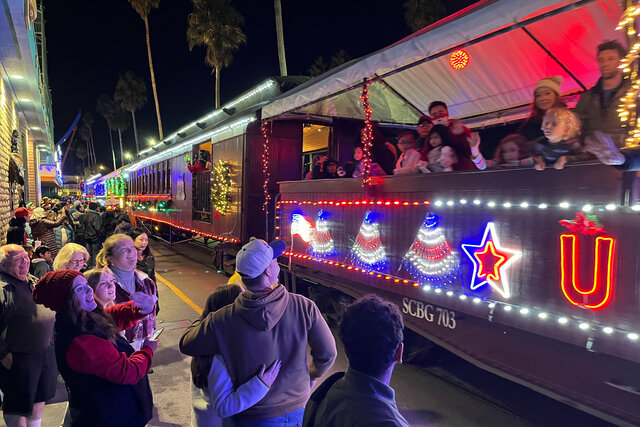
x=109, y=190
x=529, y=274
x=206, y=179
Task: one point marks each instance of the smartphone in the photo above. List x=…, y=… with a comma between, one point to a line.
x=156, y=334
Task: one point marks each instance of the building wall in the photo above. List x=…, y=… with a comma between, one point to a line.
x=8, y=122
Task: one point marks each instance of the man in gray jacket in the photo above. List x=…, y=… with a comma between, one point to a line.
x=264, y=324
x=28, y=365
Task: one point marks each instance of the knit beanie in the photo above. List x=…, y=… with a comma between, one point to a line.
x=552, y=83
x=21, y=212
x=52, y=290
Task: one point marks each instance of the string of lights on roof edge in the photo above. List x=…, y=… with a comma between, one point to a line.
x=587, y=207
x=563, y=320
x=191, y=230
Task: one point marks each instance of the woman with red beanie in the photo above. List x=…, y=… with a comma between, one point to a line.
x=106, y=379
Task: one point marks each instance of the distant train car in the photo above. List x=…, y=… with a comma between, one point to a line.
x=109, y=190
x=207, y=178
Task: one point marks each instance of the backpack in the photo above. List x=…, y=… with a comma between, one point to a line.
x=316, y=398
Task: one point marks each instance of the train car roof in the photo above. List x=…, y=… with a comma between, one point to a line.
x=511, y=45
x=235, y=114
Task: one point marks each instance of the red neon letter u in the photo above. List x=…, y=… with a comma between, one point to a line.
x=568, y=272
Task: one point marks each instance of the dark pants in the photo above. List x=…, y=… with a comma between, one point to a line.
x=93, y=248
x=31, y=379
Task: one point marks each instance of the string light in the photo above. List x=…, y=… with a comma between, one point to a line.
x=627, y=111
x=221, y=187
x=367, y=251
x=265, y=167
x=430, y=258
x=321, y=242
x=191, y=230
x=367, y=132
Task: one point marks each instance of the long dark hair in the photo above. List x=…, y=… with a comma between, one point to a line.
x=221, y=297
x=137, y=232
x=96, y=322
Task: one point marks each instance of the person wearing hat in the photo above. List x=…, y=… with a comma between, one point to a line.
x=106, y=379
x=546, y=95
x=264, y=324
x=41, y=263
x=42, y=229
x=17, y=233
x=424, y=128
x=597, y=107
x=27, y=358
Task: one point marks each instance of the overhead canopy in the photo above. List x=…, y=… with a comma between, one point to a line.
x=511, y=44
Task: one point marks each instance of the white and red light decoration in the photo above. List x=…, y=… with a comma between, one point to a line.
x=431, y=259
x=191, y=230
x=302, y=227
x=367, y=132
x=367, y=251
x=490, y=261
x=599, y=292
x=321, y=241
x=265, y=167
x=459, y=59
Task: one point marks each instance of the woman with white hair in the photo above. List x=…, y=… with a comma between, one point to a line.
x=42, y=229
x=72, y=256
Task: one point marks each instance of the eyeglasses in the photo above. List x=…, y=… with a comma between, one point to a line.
x=76, y=262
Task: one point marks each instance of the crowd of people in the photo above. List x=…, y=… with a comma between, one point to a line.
x=551, y=136
x=79, y=298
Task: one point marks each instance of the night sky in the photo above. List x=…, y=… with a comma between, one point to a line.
x=90, y=43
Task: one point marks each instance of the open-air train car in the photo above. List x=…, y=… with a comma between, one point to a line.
x=530, y=274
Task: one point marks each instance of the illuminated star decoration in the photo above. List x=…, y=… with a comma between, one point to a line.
x=490, y=260
x=302, y=227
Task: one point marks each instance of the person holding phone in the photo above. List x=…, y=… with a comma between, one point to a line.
x=213, y=396
x=106, y=379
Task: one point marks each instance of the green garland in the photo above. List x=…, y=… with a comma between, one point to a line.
x=116, y=186
x=221, y=187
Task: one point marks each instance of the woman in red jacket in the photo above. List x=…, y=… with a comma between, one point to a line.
x=106, y=380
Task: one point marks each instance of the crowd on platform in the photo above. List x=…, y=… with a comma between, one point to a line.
x=552, y=134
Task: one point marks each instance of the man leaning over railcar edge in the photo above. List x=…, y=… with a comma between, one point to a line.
x=264, y=324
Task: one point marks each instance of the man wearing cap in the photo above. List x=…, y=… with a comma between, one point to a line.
x=17, y=233
x=28, y=367
x=597, y=106
x=264, y=324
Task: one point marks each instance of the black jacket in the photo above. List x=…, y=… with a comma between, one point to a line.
x=91, y=223
x=109, y=223
x=16, y=233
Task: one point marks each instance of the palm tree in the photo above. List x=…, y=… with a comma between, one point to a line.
x=143, y=7
x=131, y=93
x=319, y=66
x=106, y=107
x=120, y=123
x=81, y=153
x=215, y=24
x=86, y=133
x=420, y=13
x=277, y=6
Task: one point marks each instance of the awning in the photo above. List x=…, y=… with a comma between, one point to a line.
x=512, y=44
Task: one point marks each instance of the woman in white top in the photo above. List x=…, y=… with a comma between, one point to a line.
x=213, y=397
x=409, y=161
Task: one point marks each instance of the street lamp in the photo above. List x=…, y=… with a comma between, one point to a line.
x=127, y=156
x=152, y=141
x=100, y=167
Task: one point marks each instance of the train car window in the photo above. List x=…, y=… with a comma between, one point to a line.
x=315, y=144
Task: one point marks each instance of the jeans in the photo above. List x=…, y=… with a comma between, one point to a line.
x=93, y=249
x=292, y=419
